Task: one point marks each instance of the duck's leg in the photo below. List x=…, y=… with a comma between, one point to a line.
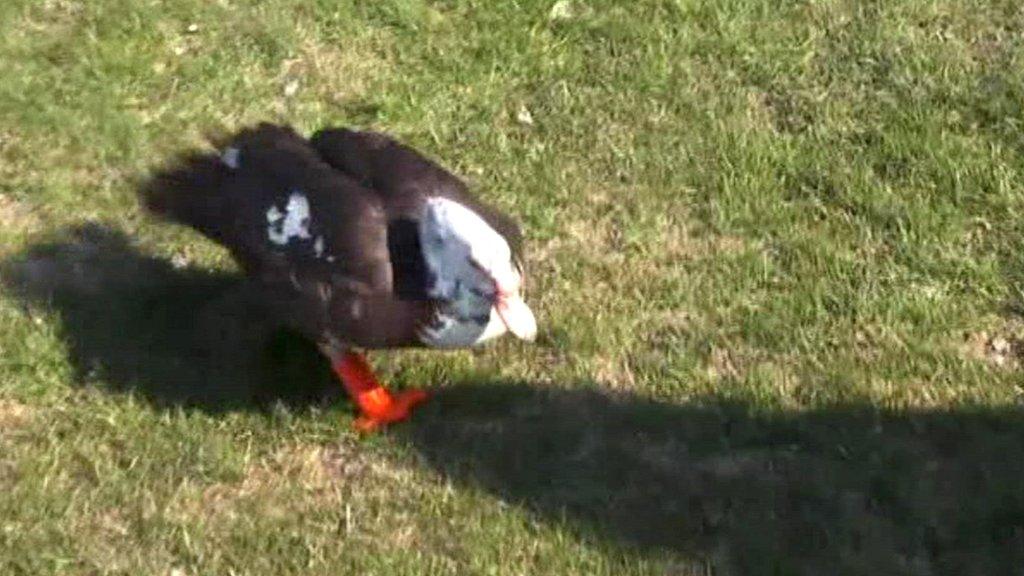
x=376, y=405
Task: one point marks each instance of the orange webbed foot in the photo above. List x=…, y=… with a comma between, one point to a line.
x=398, y=407
x=378, y=406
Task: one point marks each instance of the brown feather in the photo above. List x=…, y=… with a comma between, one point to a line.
x=355, y=275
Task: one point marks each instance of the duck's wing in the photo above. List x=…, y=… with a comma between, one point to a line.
x=271, y=200
x=320, y=220
x=404, y=178
x=312, y=237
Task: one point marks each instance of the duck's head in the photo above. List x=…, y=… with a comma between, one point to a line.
x=472, y=268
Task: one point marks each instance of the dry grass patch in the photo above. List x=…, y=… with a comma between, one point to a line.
x=614, y=372
x=15, y=415
x=17, y=216
x=332, y=74
x=107, y=544
x=1001, y=347
x=601, y=240
x=299, y=476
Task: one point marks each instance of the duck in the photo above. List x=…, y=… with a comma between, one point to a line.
x=356, y=242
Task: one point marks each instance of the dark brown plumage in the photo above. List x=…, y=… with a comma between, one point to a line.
x=326, y=228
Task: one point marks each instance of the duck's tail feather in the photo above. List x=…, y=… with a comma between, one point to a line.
x=190, y=192
x=194, y=189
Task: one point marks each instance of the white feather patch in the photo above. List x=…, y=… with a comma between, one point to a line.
x=453, y=239
x=292, y=223
x=466, y=257
x=450, y=332
x=273, y=215
x=232, y=157
x=463, y=253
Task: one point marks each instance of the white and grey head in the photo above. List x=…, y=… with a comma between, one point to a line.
x=472, y=270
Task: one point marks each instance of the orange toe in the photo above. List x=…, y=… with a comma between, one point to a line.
x=409, y=399
x=395, y=408
x=366, y=424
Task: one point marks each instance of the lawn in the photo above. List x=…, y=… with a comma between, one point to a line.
x=776, y=249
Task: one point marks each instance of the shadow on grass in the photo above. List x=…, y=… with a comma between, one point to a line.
x=845, y=490
x=849, y=490
x=174, y=336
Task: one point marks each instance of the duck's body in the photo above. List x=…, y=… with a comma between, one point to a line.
x=354, y=241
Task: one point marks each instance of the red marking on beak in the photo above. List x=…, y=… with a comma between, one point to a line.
x=501, y=292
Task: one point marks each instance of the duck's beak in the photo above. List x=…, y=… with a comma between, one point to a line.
x=517, y=316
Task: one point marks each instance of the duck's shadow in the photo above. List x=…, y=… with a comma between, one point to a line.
x=849, y=489
x=176, y=336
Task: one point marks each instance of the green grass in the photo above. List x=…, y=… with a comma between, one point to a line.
x=776, y=249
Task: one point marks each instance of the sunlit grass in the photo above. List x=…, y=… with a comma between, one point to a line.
x=772, y=216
